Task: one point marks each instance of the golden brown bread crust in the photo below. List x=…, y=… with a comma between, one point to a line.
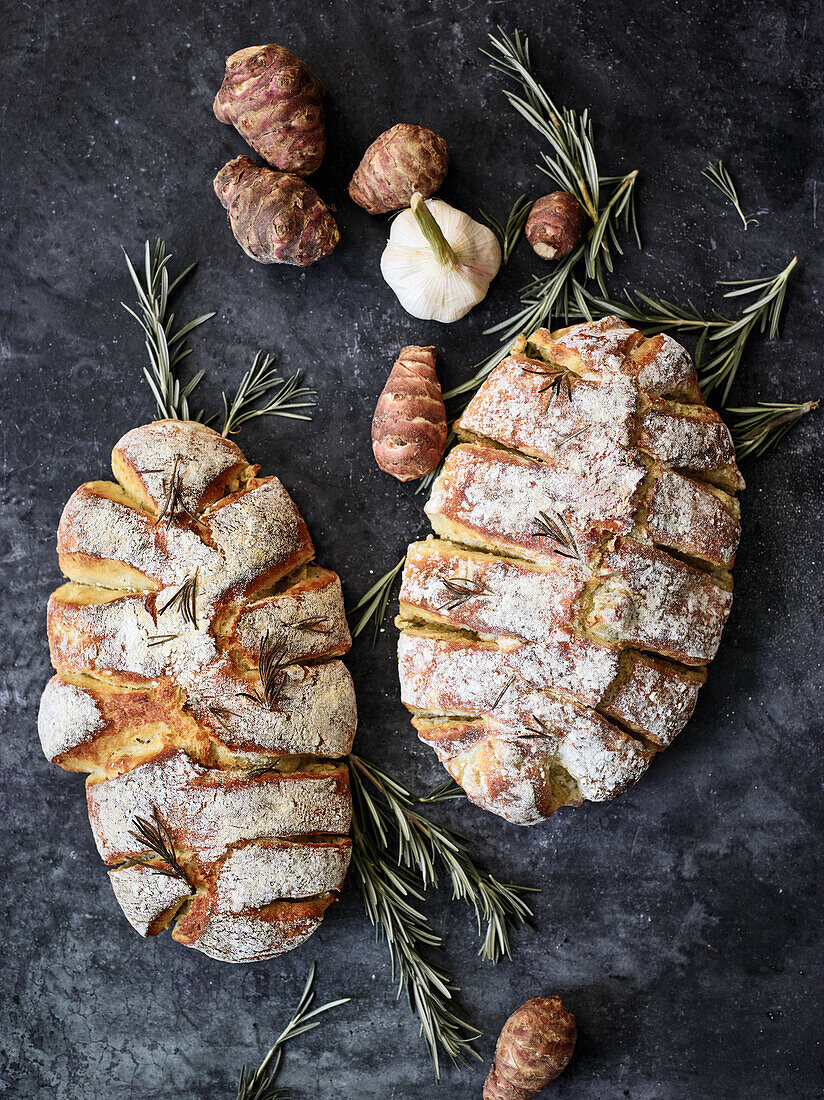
x=179, y=574
x=556, y=633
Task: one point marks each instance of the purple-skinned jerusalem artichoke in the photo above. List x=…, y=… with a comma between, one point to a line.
x=534, y=1046
x=409, y=425
x=276, y=104
x=555, y=225
x=276, y=217
x=400, y=161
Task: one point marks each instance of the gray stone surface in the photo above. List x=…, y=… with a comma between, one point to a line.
x=679, y=922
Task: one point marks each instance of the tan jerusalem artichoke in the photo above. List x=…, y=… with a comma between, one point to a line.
x=555, y=225
x=409, y=425
x=535, y=1045
x=276, y=217
x=276, y=104
x=399, y=162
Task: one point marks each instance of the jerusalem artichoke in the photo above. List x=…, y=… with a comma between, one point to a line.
x=399, y=162
x=535, y=1045
x=555, y=225
x=276, y=104
x=409, y=425
x=276, y=217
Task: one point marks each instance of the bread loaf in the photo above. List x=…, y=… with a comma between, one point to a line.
x=555, y=636
x=196, y=650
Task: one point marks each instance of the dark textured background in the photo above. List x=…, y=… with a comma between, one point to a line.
x=680, y=922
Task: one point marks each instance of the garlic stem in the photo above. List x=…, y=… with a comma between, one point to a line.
x=432, y=231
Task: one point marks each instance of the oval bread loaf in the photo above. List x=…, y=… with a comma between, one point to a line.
x=555, y=636
x=196, y=650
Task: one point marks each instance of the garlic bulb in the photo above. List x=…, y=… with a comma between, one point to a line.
x=439, y=261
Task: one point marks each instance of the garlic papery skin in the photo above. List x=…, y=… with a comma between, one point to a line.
x=439, y=261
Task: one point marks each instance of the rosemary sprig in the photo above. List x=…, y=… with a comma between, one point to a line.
x=288, y=398
x=651, y=315
x=223, y=714
x=318, y=625
x=186, y=599
x=509, y=232
x=460, y=590
x=447, y=791
x=572, y=160
x=719, y=176
x=560, y=378
x=392, y=883
x=540, y=729
x=373, y=603
x=555, y=527
x=764, y=313
x=173, y=502
x=160, y=639
x=389, y=894
x=572, y=163
x=432, y=850
x=722, y=340
x=157, y=839
x=261, y=1084
x=166, y=349
x=272, y=665
x=761, y=426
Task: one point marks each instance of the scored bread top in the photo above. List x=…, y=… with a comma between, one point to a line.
x=197, y=682
x=581, y=580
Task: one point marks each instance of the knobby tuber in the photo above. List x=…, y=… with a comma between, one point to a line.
x=401, y=161
x=409, y=425
x=276, y=217
x=276, y=104
x=535, y=1045
x=555, y=225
